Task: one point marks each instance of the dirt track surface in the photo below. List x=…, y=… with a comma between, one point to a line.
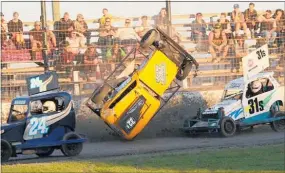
x=111, y=149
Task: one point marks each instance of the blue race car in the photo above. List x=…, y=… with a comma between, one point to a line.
x=41, y=122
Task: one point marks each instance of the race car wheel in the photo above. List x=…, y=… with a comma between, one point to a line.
x=148, y=39
x=278, y=125
x=6, y=150
x=45, y=152
x=71, y=149
x=184, y=70
x=227, y=127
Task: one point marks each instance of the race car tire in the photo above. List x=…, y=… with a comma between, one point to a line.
x=149, y=38
x=227, y=127
x=71, y=149
x=184, y=71
x=45, y=152
x=6, y=150
x=278, y=125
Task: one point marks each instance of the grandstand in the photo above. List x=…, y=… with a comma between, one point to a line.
x=19, y=63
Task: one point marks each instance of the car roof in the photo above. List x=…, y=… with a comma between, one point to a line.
x=41, y=95
x=239, y=83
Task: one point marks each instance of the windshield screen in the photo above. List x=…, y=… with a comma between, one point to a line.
x=232, y=94
x=18, y=112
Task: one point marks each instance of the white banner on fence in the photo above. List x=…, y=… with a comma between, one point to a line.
x=255, y=62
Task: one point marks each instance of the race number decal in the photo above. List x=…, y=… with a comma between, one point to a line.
x=36, y=83
x=130, y=123
x=255, y=106
x=38, y=126
x=160, y=73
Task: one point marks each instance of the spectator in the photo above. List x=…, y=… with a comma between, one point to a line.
x=4, y=29
x=106, y=36
x=106, y=15
x=238, y=21
x=268, y=27
x=280, y=26
x=15, y=27
x=218, y=43
x=76, y=42
x=91, y=58
x=81, y=26
x=51, y=39
x=36, y=39
x=63, y=27
x=116, y=54
x=250, y=16
x=67, y=57
x=199, y=31
x=162, y=20
x=226, y=27
x=142, y=30
x=127, y=35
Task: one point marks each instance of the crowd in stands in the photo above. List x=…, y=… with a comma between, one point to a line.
x=72, y=38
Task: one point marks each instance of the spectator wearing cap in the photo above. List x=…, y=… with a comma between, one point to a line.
x=4, y=29
x=106, y=36
x=250, y=16
x=106, y=15
x=81, y=26
x=280, y=27
x=15, y=27
x=36, y=39
x=198, y=33
x=237, y=18
x=268, y=27
x=218, y=43
x=144, y=27
x=63, y=27
x=127, y=35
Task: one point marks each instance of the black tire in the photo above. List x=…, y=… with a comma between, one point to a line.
x=227, y=127
x=72, y=149
x=6, y=150
x=279, y=125
x=184, y=70
x=148, y=39
x=45, y=152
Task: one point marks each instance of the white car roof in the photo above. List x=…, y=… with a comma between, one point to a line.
x=238, y=84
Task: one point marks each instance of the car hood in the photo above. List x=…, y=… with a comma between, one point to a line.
x=226, y=104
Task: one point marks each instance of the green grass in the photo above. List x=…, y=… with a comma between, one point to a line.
x=254, y=159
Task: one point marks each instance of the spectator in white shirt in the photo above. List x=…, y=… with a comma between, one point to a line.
x=127, y=34
x=144, y=27
x=76, y=43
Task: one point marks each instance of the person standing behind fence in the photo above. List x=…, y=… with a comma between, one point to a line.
x=198, y=33
x=241, y=50
x=4, y=30
x=106, y=15
x=106, y=37
x=280, y=27
x=63, y=27
x=250, y=16
x=81, y=26
x=15, y=27
x=218, y=43
x=268, y=27
x=161, y=20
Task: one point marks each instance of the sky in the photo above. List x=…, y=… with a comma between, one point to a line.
x=30, y=11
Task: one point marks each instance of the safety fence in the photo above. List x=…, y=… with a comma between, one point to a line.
x=84, y=58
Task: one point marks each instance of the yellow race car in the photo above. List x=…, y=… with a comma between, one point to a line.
x=127, y=104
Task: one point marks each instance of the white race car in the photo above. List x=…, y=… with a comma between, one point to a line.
x=259, y=100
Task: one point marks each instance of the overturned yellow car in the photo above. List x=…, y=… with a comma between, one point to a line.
x=128, y=103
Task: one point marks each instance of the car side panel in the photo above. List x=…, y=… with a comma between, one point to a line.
x=158, y=73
